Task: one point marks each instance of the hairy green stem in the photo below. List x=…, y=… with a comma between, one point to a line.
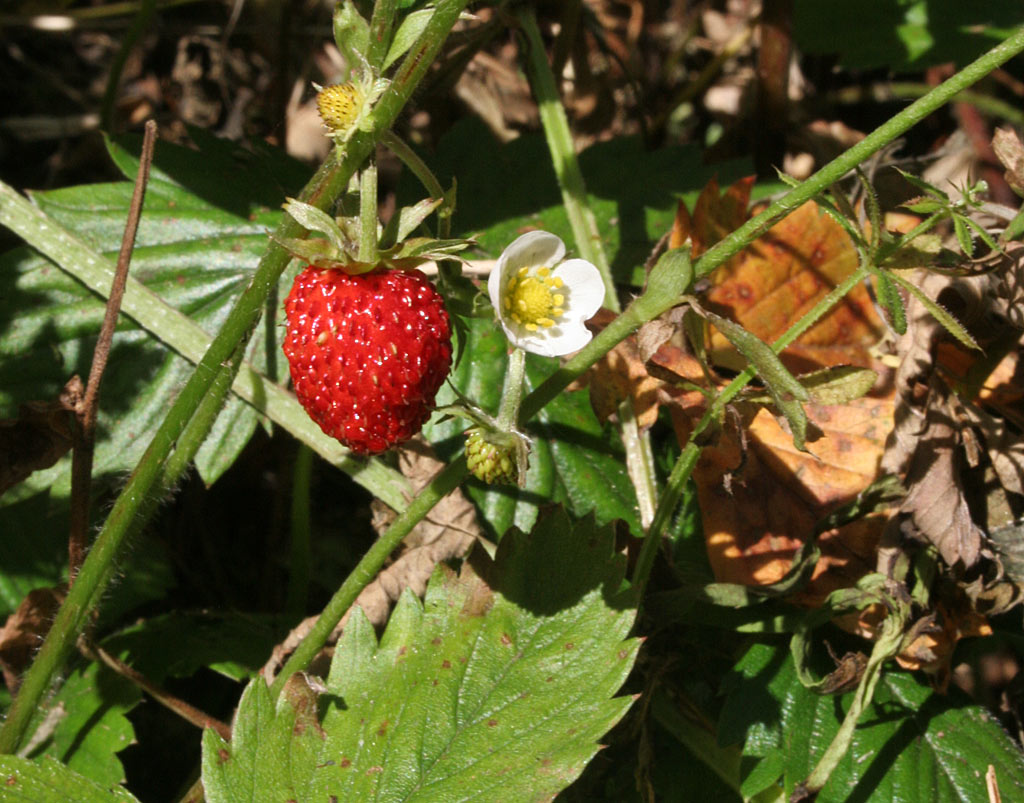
x=563, y=154
x=419, y=168
x=368, y=213
x=512, y=392
x=100, y=563
x=329, y=181
x=369, y=565
x=872, y=143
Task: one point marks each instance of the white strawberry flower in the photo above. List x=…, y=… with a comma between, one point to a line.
x=541, y=301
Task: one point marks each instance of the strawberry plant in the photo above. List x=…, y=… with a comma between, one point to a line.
x=516, y=456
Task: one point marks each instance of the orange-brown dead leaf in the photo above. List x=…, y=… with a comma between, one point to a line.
x=758, y=508
x=781, y=276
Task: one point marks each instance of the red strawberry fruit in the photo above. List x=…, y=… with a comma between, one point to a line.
x=367, y=352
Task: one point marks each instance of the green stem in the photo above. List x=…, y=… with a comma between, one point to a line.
x=382, y=24
x=368, y=213
x=420, y=169
x=300, y=561
x=512, y=392
x=563, y=154
x=872, y=143
x=329, y=181
x=100, y=563
x=371, y=563
x=639, y=461
x=887, y=646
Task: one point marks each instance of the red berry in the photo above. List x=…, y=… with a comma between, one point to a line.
x=367, y=353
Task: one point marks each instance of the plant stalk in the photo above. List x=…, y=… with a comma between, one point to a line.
x=369, y=565
x=329, y=181
x=563, y=154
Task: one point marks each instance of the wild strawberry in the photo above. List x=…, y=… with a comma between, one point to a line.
x=367, y=353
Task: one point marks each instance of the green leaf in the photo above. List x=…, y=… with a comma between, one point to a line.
x=49, y=780
x=937, y=311
x=838, y=385
x=913, y=744
x=351, y=33
x=482, y=692
x=196, y=256
x=192, y=261
x=963, y=236
x=93, y=727
x=408, y=32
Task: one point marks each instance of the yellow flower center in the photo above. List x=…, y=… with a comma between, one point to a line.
x=339, y=106
x=532, y=300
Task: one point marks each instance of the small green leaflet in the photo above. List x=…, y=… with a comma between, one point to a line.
x=485, y=691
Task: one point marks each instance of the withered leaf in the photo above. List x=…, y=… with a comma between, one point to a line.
x=39, y=437
x=935, y=501
x=24, y=631
x=1010, y=151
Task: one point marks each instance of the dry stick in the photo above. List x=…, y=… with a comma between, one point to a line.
x=188, y=712
x=85, y=410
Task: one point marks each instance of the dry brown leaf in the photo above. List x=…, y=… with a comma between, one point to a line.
x=39, y=436
x=776, y=496
x=448, y=531
x=935, y=500
x=780, y=277
x=1010, y=151
x=25, y=630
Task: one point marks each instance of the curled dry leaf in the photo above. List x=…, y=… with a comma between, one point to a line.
x=777, y=495
x=935, y=500
x=39, y=436
x=25, y=630
x=447, y=532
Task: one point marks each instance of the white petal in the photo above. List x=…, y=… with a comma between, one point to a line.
x=585, y=290
x=556, y=341
x=534, y=249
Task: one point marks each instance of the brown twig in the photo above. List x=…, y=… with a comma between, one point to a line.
x=85, y=412
x=184, y=710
